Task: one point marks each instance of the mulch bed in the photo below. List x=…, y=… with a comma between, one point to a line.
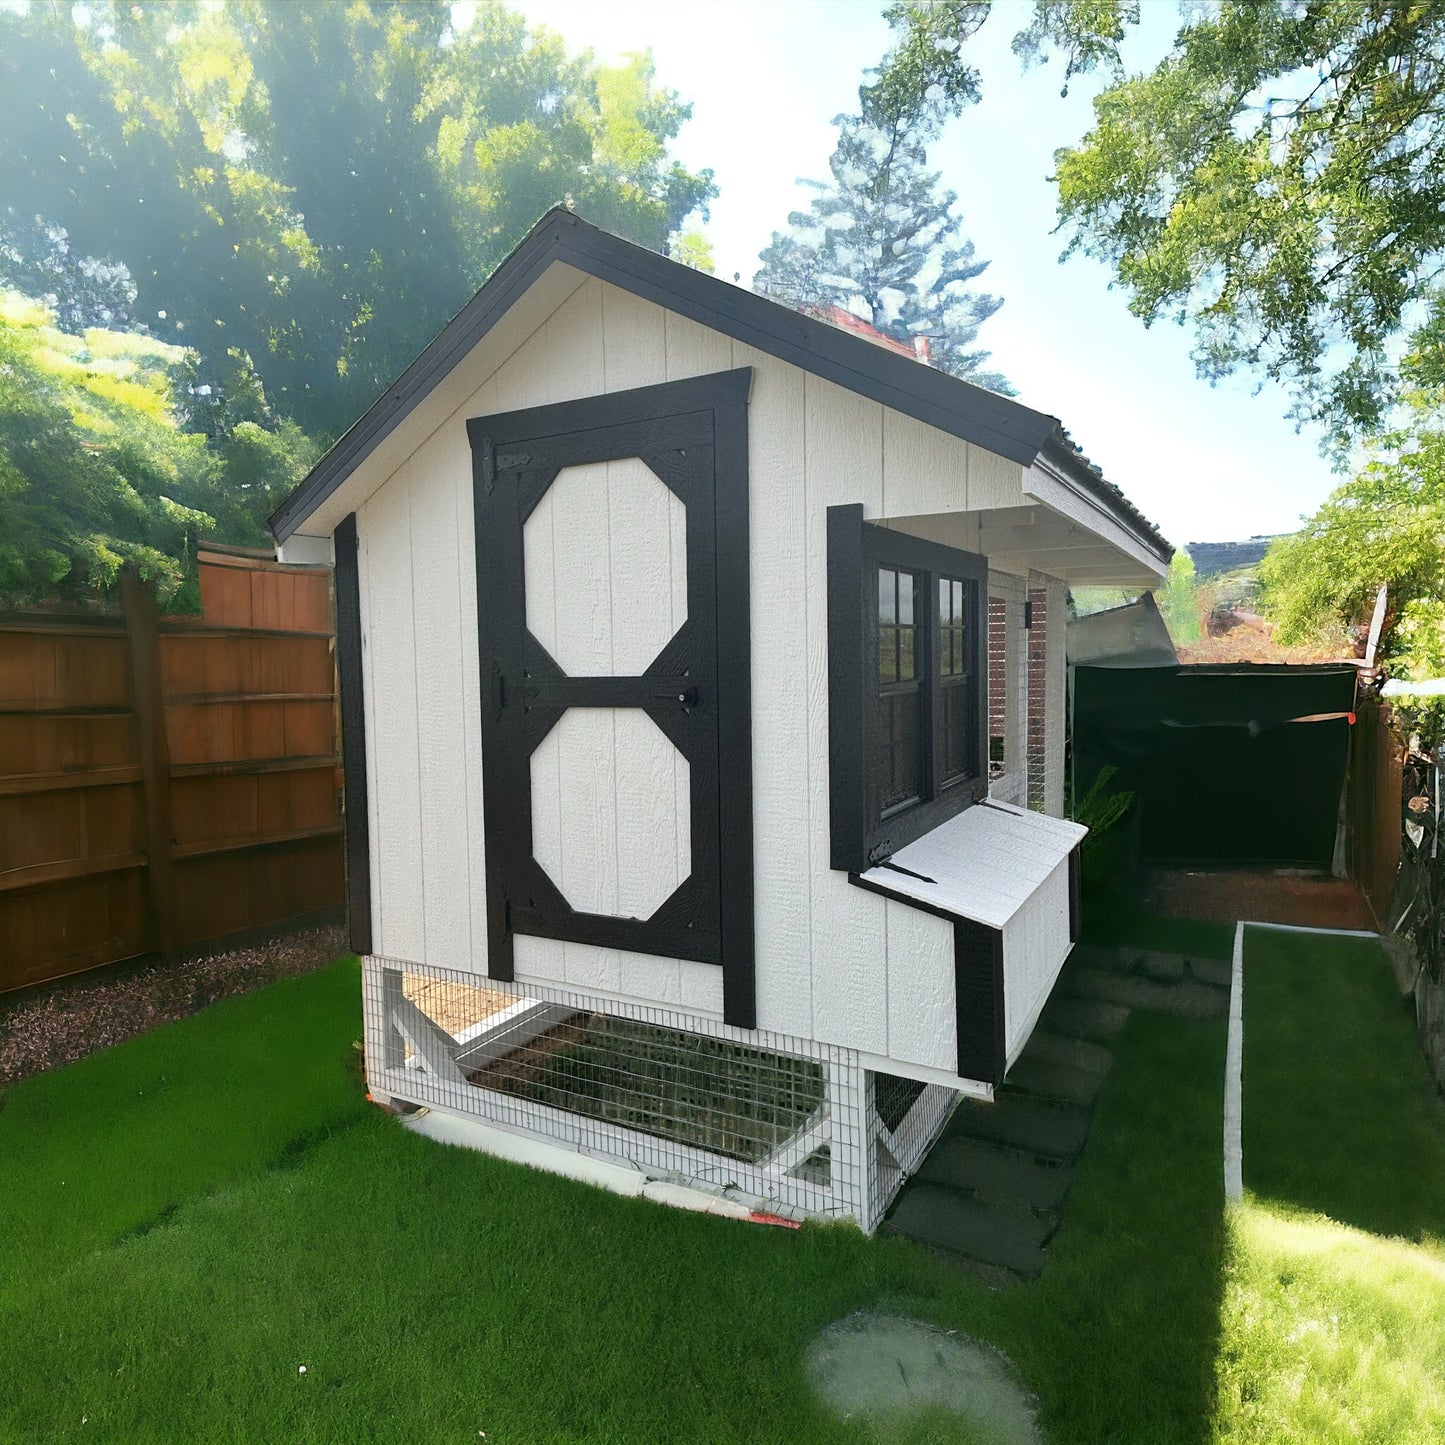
x=82, y=1016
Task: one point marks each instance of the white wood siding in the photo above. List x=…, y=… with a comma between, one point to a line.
x=833, y=963
x=1035, y=945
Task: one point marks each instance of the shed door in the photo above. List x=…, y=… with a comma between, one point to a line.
x=612, y=595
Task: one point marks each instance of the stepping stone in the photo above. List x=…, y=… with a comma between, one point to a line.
x=1033, y=1077
x=1050, y=1131
x=890, y=1370
x=943, y=1219
x=1166, y=967
x=1212, y=970
x=996, y=1176
x=1053, y=1048
x=1189, y=1000
x=1083, y=1018
x=1112, y=957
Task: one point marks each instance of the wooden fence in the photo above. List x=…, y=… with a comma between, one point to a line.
x=167, y=781
x=1374, y=806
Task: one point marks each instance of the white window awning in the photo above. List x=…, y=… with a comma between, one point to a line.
x=983, y=864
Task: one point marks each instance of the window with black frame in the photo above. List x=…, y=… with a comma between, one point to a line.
x=906, y=678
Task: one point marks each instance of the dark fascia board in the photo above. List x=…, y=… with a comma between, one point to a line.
x=1068, y=463
x=959, y=408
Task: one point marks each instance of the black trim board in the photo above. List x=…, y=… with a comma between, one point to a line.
x=693, y=436
x=957, y=407
x=853, y=544
x=350, y=671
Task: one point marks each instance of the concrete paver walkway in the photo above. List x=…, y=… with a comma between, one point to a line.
x=993, y=1188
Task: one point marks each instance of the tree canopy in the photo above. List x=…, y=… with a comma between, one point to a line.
x=883, y=233
x=95, y=472
x=1385, y=526
x=310, y=191
x=1277, y=181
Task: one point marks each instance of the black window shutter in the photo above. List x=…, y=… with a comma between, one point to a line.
x=693, y=436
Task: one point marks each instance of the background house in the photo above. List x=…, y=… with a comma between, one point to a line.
x=682, y=826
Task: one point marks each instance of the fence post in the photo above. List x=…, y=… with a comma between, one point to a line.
x=142, y=621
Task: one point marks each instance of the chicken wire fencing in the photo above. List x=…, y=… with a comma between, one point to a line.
x=787, y=1124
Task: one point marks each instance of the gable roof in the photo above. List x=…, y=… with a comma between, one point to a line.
x=996, y=423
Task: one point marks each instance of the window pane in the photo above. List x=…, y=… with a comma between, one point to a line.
x=887, y=654
x=899, y=762
x=905, y=653
x=954, y=731
x=906, y=583
x=887, y=595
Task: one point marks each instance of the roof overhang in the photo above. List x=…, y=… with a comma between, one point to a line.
x=562, y=250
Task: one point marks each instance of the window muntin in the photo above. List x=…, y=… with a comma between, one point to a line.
x=921, y=725
x=897, y=744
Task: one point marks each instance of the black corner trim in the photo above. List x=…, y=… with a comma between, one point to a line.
x=979, y=1001
x=994, y=422
x=1076, y=903
x=350, y=672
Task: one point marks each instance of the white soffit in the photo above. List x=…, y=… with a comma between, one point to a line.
x=983, y=864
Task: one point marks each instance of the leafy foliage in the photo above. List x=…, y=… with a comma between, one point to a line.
x=1179, y=599
x=95, y=472
x=882, y=233
x=311, y=191
x=1384, y=526
x=1277, y=181
x=36, y=260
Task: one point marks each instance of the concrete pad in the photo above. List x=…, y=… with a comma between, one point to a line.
x=945, y=1220
x=885, y=1368
x=1045, y=1130
x=996, y=1176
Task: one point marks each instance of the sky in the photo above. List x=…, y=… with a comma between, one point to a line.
x=766, y=79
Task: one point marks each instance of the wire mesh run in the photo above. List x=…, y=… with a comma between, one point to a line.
x=779, y=1122
x=906, y=1116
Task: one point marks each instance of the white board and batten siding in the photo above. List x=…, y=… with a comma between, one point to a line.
x=834, y=963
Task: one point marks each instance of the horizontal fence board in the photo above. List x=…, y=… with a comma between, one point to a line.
x=57, y=931
x=212, y=666
x=239, y=785
x=70, y=780
x=229, y=893
x=230, y=808
x=75, y=823
x=54, y=670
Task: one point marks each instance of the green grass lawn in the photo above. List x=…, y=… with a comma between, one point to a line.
x=1334, y=1319
x=191, y=1217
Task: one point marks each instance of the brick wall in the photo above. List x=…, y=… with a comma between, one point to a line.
x=997, y=683
x=1038, y=674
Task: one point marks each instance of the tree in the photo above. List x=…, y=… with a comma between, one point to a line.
x=1384, y=526
x=1179, y=599
x=311, y=190
x=1277, y=181
x=36, y=260
x=96, y=473
x=882, y=233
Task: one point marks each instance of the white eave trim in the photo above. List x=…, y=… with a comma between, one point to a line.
x=1047, y=484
